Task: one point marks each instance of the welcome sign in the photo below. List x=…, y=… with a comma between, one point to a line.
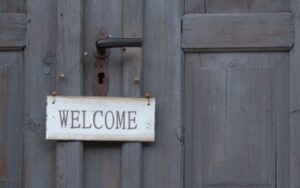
x=100, y=118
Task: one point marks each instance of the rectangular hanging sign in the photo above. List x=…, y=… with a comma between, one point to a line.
x=100, y=118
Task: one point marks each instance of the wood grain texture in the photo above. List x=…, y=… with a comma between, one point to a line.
x=162, y=160
x=132, y=169
x=3, y=123
x=12, y=6
x=11, y=119
x=280, y=91
x=194, y=6
x=103, y=15
x=255, y=32
x=230, y=6
x=294, y=154
x=40, y=78
x=102, y=160
x=233, y=125
x=69, y=155
x=234, y=6
x=12, y=31
x=132, y=26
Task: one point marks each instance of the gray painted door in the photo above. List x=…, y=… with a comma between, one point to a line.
x=236, y=95
x=61, y=37
x=12, y=41
x=225, y=74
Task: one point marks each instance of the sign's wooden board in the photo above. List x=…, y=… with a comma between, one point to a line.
x=100, y=118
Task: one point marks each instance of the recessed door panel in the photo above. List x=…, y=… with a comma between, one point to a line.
x=11, y=119
x=231, y=118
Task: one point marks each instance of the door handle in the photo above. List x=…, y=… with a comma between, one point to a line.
x=103, y=44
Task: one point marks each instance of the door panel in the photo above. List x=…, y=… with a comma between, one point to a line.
x=231, y=118
x=225, y=32
x=12, y=31
x=218, y=6
x=12, y=41
x=236, y=96
x=229, y=6
x=11, y=119
x=9, y=6
x=50, y=53
x=236, y=102
x=157, y=164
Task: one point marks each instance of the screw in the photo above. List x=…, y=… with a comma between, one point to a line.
x=124, y=49
x=53, y=94
x=136, y=80
x=62, y=76
x=85, y=53
x=147, y=95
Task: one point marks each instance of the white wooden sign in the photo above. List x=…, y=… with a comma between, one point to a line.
x=100, y=118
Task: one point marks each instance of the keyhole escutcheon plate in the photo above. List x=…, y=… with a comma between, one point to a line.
x=100, y=80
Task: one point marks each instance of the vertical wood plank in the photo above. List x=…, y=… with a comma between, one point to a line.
x=162, y=70
x=40, y=57
x=102, y=15
x=294, y=154
x=69, y=155
x=131, y=74
x=280, y=92
x=11, y=119
x=3, y=125
x=14, y=116
x=188, y=96
x=102, y=160
x=102, y=165
x=132, y=169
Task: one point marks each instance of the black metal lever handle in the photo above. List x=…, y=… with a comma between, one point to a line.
x=102, y=44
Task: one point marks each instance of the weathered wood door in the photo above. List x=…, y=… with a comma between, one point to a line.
x=225, y=75
x=61, y=36
x=238, y=74
x=12, y=42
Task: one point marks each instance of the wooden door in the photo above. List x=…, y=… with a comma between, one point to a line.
x=237, y=80
x=225, y=75
x=12, y=42
x=61, y=36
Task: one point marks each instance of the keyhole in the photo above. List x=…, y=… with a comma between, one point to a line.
x=101, y=76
